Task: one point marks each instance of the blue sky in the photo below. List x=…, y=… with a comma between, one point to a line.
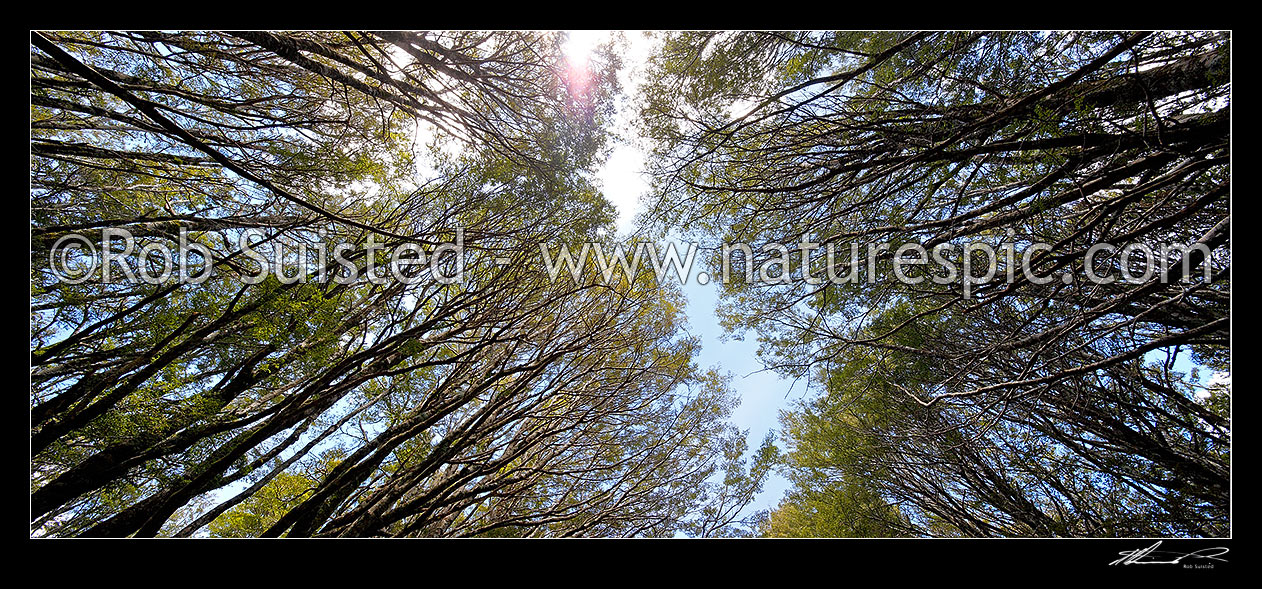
x=763, y=394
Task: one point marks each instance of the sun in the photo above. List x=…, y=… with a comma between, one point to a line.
x=577, y=50
x=578, y=45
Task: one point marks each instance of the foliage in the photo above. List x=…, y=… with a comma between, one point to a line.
x=997, y=406
x=503, y=404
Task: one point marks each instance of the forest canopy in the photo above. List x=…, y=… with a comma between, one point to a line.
x=1025, y=397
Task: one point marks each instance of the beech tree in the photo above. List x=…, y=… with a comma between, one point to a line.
x=1050, y=388
x=501, y=404
x=994, y=402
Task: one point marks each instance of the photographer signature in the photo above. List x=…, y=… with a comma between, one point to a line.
x=1151, y=555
